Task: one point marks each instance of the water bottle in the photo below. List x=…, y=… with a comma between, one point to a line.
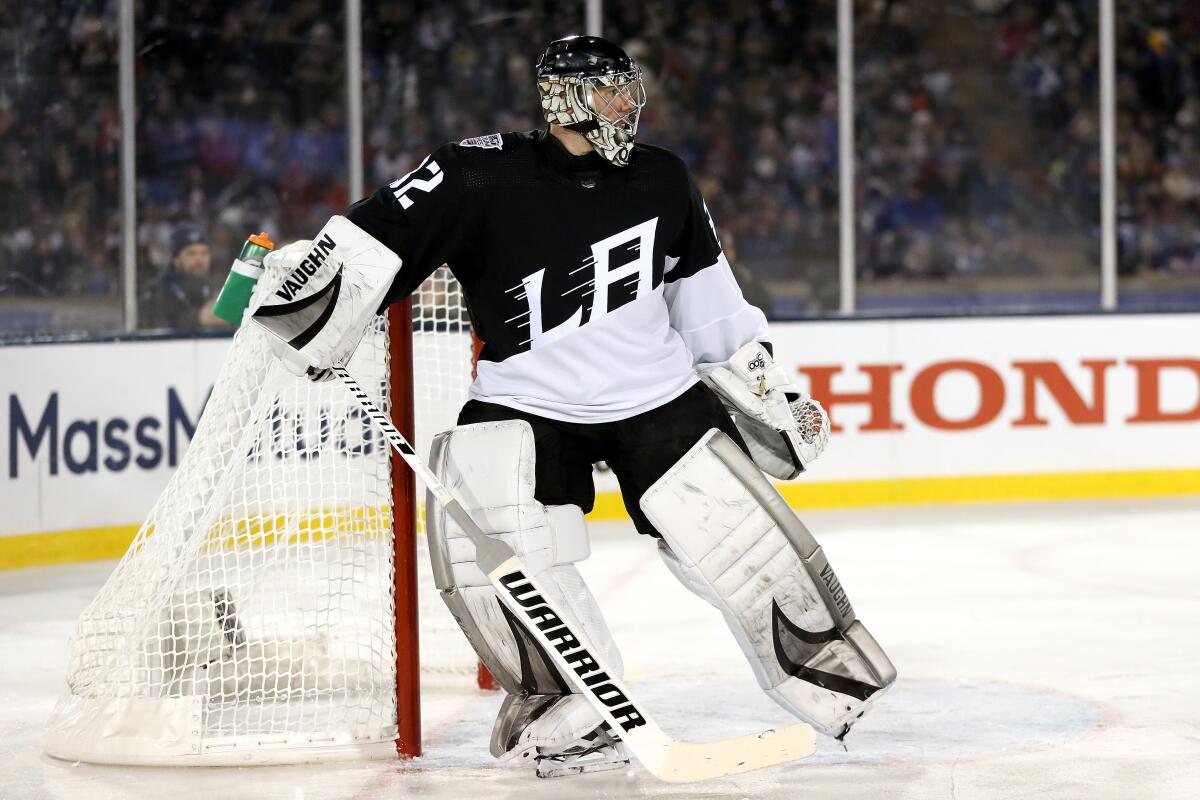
x=247, y=268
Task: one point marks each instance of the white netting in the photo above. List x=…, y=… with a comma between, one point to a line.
x=254, y=610
x=442, y=363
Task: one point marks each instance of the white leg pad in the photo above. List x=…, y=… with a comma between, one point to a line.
x=734, y=541
x=490, y=467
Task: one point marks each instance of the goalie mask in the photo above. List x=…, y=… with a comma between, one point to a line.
x=591, y=86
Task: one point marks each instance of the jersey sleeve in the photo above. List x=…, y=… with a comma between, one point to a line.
x=705, y=303
x=421, y=217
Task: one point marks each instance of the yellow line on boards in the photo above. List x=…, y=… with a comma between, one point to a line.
x=970, y=489
x=992, y=488
x=62, y=547
x=92, y=544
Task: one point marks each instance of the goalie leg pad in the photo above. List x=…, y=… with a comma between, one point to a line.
x=490, y=467
x=734, y=541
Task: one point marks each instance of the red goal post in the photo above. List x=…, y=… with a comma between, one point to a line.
x=437, y=325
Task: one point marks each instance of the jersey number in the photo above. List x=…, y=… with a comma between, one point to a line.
x=400, y=188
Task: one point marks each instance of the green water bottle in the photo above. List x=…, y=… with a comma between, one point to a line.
x=246, y=270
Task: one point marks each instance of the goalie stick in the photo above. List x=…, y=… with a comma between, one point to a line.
x=666, y=758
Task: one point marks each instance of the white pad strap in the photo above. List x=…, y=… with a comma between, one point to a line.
x=734, y=541
x=319, y=300
x=490, y=467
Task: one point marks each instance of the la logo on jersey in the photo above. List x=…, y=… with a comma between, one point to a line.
x=608, y=289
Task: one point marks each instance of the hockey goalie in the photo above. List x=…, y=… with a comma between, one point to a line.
x=614, y=331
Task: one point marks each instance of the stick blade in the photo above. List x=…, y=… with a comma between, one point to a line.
x=686, y=762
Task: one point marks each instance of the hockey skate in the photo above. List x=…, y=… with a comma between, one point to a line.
x=545, y=730
x=598, y=751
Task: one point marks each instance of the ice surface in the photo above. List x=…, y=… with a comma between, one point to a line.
x=1044, y=650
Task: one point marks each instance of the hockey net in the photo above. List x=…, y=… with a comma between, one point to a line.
x=254, y=617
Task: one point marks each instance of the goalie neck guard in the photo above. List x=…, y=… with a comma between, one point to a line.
x=568, y=76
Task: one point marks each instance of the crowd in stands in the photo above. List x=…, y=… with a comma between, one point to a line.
x=59, y=142
x=746, y=93
x=929, y=203
x=1051, y=48
x=241, y=114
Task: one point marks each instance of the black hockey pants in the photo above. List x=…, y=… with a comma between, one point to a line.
x=639, y=450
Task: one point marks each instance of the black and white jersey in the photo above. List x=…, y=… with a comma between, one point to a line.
x=597, y=290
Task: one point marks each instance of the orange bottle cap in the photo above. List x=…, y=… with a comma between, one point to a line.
x=262, y=240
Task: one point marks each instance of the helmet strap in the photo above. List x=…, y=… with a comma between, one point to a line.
x=586, y=126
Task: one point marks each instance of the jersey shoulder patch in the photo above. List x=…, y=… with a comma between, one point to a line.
x=492, y=141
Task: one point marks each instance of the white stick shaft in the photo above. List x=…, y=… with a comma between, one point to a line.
x=402, y=446
x=394, y=436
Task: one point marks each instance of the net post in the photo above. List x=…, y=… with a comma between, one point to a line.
x=485, y=680
x=408, y=657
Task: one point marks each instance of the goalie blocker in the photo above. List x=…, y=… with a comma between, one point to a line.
x=732, y=539
x=332, y=288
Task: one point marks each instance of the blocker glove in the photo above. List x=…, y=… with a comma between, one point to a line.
x=282, y=262
x=323, y=296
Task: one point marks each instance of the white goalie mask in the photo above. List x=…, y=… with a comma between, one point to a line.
x=590, y=86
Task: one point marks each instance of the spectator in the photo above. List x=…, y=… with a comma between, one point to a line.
x=183, y=294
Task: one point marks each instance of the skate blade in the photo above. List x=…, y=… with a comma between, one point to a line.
x=559, y=770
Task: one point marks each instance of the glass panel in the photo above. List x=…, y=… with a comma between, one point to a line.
x=1158, y=154
x=744, y=92
x=434, y=74
x=978, y=157
x=59, y=169
x=747, y=94
x=241, y=128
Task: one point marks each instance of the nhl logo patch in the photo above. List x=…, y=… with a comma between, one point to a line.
x=490, y=142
